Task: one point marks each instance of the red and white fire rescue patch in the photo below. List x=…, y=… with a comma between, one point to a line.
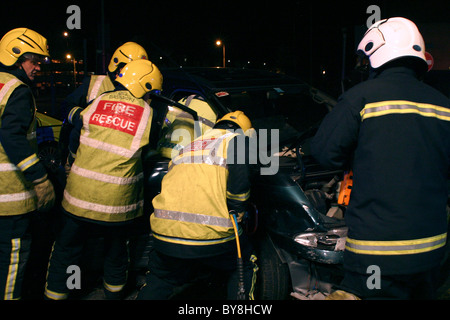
x=124, y=117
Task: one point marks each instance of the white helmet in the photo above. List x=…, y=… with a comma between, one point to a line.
x=390, y=39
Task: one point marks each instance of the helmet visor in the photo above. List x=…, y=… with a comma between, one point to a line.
x=36, y=58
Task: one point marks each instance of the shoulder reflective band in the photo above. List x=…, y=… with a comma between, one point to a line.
x=96, y=87
x=194, y=218
x=5, y=88
x=382, y=108
x=396, y=247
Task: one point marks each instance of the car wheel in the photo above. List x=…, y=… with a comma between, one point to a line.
x=274, y=281
x=50, y=156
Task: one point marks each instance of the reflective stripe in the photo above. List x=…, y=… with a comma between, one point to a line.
x=253, y=259
x=8, y=167
x=206, y=122
x=100, y=207
x=239, y=197
x=113, y=288
x=17, y=196
x=396, y=247
x=105, y=177
x=110, y=147
x=13, y=269
x=206, y=159
x=72, y=112
x=193, y=218
x=55, y=295
x=28, y=162
x=96, y=87
x=400, y=107
x=192, y=242
x=6, y=88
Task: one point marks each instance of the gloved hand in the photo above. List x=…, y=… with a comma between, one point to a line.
x=45, y=194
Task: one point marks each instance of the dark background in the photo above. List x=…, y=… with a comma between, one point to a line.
x=303, y=38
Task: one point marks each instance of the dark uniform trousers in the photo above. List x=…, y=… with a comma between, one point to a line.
x=15, y=244
x=418, y=286
x=68, y=250
x=166, y=273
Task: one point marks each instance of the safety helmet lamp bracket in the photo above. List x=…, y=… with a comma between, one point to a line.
x=391, y=39
x=373, y=41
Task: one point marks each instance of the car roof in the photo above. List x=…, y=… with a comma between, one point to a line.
x=216, y=79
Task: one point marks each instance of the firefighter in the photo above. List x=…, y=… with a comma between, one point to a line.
x=24, y=186
x=191, y=225
x=393, y=131
x=179, y=128
x=93, y=86
x=104, y=191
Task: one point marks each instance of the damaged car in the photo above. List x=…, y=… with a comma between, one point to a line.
x=295, y=220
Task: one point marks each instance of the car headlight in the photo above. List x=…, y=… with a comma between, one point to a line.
x=334, y=239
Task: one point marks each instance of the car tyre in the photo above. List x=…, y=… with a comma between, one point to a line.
x=274, y=281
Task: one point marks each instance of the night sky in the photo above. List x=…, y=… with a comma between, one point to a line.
x=300, y=37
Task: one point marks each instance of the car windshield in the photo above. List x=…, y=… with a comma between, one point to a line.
x=291, y=109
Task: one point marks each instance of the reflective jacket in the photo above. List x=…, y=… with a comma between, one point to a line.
x=98, y=84
x=179, y=128
x=397, y=129
x=106, y=179
x=19, y=163
x=193, y=206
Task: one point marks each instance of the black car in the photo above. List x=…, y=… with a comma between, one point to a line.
x=295, y=221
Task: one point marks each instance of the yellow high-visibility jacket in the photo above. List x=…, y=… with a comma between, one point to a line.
x=106, y=180
x=99, y=84
x=17, y=195
x=192, y=206
x=179, y=127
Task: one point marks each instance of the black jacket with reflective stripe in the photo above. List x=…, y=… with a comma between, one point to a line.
x=394, y=132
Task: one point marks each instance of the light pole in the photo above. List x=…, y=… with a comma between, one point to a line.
x=69, y=56
x=220, y=43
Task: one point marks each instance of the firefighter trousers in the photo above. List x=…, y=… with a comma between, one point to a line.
x=69, y=248
x=15, y=244
x=167, y=273
x=421, y=285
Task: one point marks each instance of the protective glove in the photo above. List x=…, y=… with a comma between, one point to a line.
x=45, y=194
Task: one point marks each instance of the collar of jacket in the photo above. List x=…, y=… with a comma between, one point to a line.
x=18, y=73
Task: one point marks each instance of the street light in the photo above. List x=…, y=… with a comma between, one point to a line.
x=69, y=56
x=66, y=36
x=220, y=43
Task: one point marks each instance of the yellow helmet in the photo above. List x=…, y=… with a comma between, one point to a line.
x=19, y=41
x=125, y=53
x=140, y=77
x=239, y=118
